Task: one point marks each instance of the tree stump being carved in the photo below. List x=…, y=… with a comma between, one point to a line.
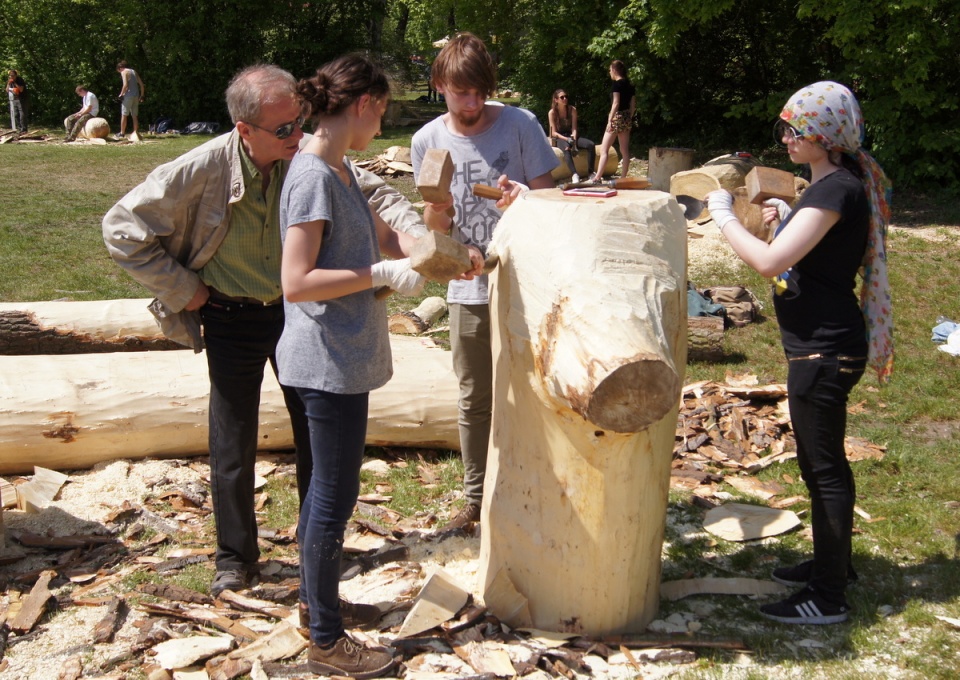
x=588, y=309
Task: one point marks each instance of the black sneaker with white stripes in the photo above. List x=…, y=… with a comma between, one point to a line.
x=806, y=607
x=799, y=575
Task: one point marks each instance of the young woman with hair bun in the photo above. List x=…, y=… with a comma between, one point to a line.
x=334, y=349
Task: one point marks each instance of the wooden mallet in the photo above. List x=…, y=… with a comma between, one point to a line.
x=437, y=257
x=436, y=173
x=763, y=183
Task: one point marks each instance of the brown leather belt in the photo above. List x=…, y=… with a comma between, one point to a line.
x=217, y=296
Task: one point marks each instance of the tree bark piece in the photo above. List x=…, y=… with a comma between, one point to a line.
x=73, y=411
x=704, y=338
x=79, y=327
x=107, y=627
x=589, y=344
x=418, y=319
x=35, y=605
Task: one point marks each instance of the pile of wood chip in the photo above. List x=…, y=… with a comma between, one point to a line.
x=391, y=163
x=728, y=432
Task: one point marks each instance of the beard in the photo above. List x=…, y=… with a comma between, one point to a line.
x=468, y=120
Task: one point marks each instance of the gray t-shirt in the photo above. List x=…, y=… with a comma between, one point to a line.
x=338, y=345
x=515, y=146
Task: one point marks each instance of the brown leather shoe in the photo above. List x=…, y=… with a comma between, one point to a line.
x=469, y=514
x=354, y=615
x=346, y=657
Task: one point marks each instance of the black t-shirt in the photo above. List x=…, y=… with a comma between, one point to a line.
x=820, y=312
x=626, y=90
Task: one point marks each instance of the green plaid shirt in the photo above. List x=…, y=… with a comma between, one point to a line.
x=247, y=263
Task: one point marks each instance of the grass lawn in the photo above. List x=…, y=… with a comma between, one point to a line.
x=54, y=197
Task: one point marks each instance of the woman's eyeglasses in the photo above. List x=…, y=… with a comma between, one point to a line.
x=284, y=130
x=562, y=96
x=783, y=129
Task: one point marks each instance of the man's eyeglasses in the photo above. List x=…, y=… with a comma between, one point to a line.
x=783, y=129
x=284, y=130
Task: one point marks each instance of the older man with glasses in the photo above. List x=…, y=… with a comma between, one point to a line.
x=202, y=233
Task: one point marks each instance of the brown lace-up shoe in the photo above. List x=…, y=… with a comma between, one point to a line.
x=468, y=515
x=354, y=615
x=346, y=657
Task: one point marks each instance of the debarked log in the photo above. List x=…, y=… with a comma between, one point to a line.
x=69, y=327
x=588, y=315
x=87, y=327
x=73, y=411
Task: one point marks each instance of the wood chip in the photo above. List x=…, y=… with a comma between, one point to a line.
x=676, y=590
x=439, y=600
x=741, y=522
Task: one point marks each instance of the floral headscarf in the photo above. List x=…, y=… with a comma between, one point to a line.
x=828, y=113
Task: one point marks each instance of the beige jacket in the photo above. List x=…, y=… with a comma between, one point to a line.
x=167, y=228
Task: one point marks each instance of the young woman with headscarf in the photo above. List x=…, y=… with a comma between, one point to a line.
x=837, y=228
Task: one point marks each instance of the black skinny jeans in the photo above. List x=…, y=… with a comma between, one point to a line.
x=817, y=388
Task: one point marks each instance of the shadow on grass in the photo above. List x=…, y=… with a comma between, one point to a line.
x=885, y=589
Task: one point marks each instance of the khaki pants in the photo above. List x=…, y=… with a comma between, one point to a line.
x=473, y=364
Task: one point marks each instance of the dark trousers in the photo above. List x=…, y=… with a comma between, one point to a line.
x=338, y=430
x=817, y=389
x=582, y=143
x=240, y=339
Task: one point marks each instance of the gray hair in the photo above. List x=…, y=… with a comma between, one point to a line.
x=255, y=86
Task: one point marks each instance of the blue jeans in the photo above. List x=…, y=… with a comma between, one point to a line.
x=338, y=430
x=817, y=389
x=240, y=339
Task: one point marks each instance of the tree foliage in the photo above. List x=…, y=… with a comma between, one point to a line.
x=712, y=76
x=185, y=52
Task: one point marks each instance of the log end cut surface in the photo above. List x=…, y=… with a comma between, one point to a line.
x=634, y=395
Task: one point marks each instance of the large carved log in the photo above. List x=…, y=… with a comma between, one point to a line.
x=588, y=312
x=70, y=412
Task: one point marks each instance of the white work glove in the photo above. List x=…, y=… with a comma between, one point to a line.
x=783, y=208
x=720, y=205
x=398, y=275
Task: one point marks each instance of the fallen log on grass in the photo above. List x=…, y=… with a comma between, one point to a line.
x=69, y=327
x=75, y=327
x=418, y=319
x=73, y=411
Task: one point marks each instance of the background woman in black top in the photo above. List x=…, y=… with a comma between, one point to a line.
x=837, y=227
x=620, y=119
